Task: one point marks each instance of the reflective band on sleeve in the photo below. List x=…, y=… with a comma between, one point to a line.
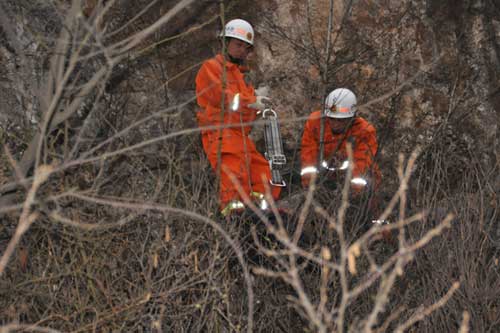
x=344, y=165
x=359, y=181
x=307, y=170
x=235, y=104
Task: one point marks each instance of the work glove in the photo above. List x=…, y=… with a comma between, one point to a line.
x=262, y=91
x=260, y=103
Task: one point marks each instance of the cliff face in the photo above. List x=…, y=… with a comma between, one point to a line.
x=132, y=198
x=420, y=65
x=426, y=70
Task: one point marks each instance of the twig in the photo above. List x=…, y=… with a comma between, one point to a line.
x=427, y=311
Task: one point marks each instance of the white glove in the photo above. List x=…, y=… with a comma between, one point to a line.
x=260, y=103
x=262, y=91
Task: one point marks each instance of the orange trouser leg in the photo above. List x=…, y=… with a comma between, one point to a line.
x=252, y=174
x=260, y=168
x=232, y=163
x=246, y=170
x=234, y=174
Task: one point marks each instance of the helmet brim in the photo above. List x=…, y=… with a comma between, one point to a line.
x=222, y=35
x=338, y=115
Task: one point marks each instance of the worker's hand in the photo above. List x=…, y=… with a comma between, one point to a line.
x=262, y=91
x=260, y=103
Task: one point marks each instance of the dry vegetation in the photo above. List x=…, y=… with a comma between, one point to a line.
x=108, y=219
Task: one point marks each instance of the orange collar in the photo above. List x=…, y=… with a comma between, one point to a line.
x=221, y=60
x=231, y=65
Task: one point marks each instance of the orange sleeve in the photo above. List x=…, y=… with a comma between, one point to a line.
x=309, y=145
x=364, y=150
x=209, y=87
x=309, y=149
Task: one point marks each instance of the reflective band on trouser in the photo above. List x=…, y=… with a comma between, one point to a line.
x=307, y=170
x=263, y=205
x=257, y=195
x=235, y=204
x=359, y=181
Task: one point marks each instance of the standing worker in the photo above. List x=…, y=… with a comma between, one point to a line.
x=341, y=126
x=226, y=100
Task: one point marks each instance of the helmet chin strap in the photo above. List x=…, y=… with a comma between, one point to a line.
x=235, y=60
x=345, y=128
x=339, y=131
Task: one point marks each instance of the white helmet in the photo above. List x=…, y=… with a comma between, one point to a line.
x=239, y=29
x=340, y=103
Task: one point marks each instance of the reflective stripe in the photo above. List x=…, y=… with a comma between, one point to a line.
x=235, y=204
x=343, y=109
x=235, y=104
x=257, y=195
x=307, y=170
x=263, y=204
x=359, y=181
x=324, y=164
x=344, y=165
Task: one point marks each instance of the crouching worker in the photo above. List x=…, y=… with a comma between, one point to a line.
x=228, y=106
x=341, y=126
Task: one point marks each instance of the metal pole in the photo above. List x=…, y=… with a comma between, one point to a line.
x=223, y=97
x=325, y=81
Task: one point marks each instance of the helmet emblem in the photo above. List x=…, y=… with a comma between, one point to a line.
x=240, y=31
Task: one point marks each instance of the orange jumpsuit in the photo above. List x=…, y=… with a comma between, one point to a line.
x=361, y=135
x=239, y=155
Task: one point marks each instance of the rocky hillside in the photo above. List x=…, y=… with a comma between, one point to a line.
x=107, y=201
